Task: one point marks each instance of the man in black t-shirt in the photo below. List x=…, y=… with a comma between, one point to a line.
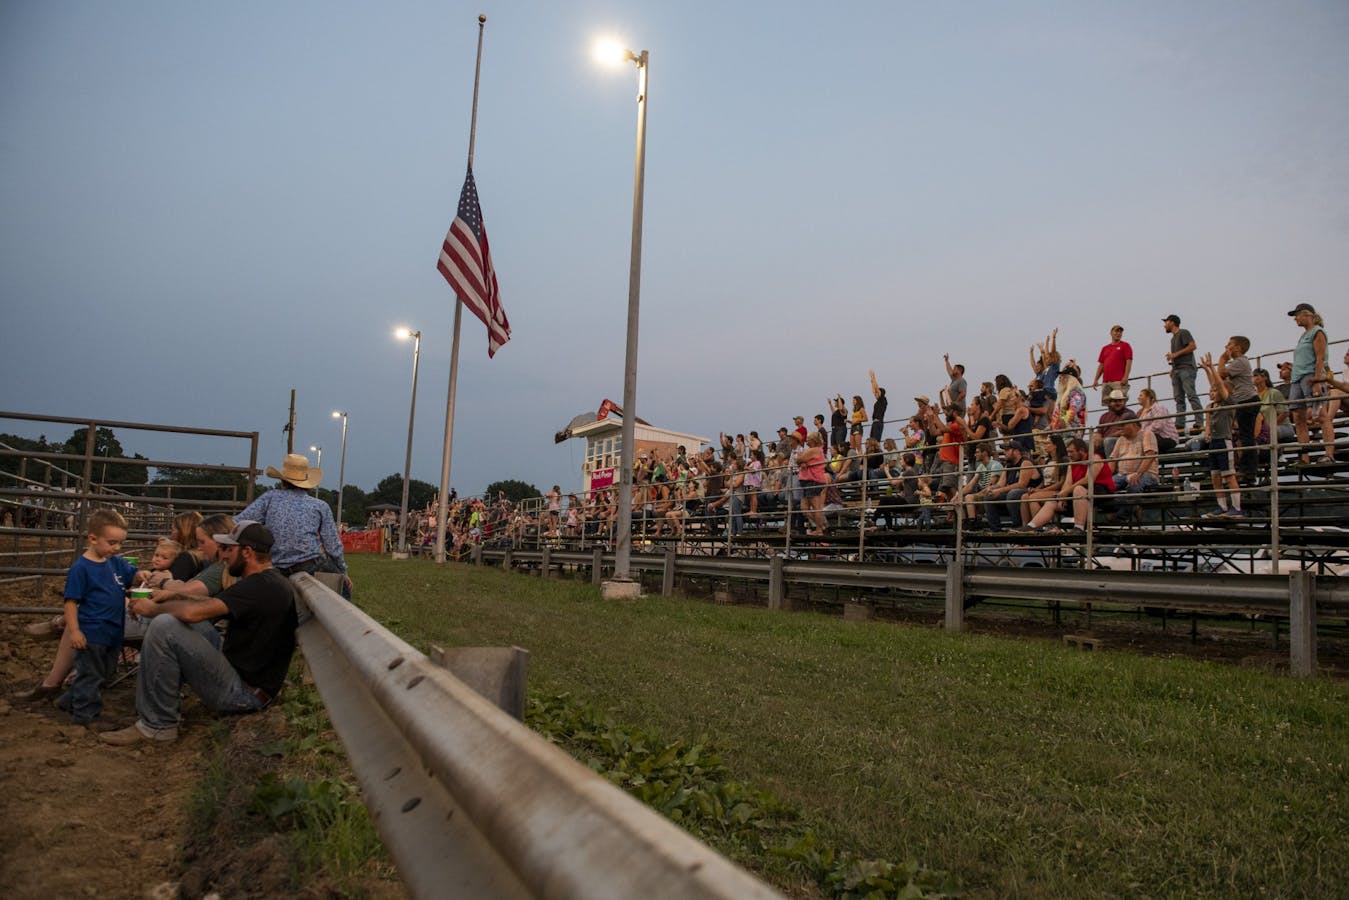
x=182, y=647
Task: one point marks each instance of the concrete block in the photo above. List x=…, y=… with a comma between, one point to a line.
x=856, y=612
x=496, y=673
x=621, y=590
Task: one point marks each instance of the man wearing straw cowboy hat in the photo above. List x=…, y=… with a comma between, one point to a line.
x=306, y=537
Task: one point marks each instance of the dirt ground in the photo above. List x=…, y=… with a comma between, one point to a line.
x=81, y=818
x=77, y=817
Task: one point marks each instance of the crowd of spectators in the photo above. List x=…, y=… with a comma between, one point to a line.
x=1013, y=453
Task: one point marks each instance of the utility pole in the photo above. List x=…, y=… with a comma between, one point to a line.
x=290, y=429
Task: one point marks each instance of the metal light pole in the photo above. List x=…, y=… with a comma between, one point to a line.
x=318, y=463
x=342, y=468
x=623, y=552
x=404, y=334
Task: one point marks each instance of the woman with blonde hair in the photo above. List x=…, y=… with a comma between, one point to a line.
x=1070, y=412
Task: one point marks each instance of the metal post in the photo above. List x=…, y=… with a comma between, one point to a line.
x=776, y=593
x=1301, y=624
x=955, y=595
x=597, y=565
x=407, y=462
x=342, y=468
x=667, y=579
x=862, y=523
x=1274, y=548
x=623, y=552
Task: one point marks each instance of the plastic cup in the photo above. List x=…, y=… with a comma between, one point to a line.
x=140, y=593
x=131, y=559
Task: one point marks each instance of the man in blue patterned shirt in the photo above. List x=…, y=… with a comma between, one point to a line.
x=301, y=524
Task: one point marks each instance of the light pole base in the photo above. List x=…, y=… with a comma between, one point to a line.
x=396, y=555
x=621, y=590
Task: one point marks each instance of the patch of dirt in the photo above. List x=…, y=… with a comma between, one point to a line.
x=81, y=818
x=77, y=817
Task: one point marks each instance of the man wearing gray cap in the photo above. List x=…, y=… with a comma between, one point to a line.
x=181, y=647
x=1183, y=369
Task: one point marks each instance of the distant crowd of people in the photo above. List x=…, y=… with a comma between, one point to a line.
x=1026, y=451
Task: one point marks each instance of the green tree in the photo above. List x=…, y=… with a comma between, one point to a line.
x=353, y=505
x=390, y=490
x=205, y=484
x=514, y=490
x=106, y=446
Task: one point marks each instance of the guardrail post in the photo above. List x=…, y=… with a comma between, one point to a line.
x=1302, y=624
x=667, y=576
x=776, y=594
x=546, y=563
x=597, y=565
x=475, y=554
x=506, y=560
x=955, y=595
x=495, y=673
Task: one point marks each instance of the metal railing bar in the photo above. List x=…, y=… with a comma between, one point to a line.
x=564, y=831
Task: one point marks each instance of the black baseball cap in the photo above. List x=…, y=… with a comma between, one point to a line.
x=1172, y=318
x=247, y=533
x=1302, y=307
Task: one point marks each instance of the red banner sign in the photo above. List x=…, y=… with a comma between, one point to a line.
x=601, y=478
x=362, y=541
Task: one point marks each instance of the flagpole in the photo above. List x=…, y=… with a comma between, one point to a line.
x=443, y=511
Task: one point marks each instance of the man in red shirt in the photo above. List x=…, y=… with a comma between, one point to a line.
x=1115, y=361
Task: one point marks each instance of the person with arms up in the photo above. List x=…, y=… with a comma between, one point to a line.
x=958, y=387
x=878, y=408
x=1222, y=458
x=241, y=676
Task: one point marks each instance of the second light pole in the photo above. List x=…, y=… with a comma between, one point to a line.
x=342, y=467
x=622, y=585
x=404, y=334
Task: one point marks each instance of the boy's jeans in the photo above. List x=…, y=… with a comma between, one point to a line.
x=94, y=667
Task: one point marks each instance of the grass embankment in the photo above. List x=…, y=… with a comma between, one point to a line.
x=277, y=811
x=1021, y=767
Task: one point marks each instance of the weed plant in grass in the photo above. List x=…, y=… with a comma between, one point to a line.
x=1021, y=767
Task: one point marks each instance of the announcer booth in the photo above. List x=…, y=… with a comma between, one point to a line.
x=603, y=435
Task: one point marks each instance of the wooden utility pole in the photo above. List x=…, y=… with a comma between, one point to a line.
x=290, y=429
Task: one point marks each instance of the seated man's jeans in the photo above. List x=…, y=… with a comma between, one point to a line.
x=1145, y=481
x=175, y=653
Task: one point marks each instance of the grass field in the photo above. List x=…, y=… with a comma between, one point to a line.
x=1021, y=767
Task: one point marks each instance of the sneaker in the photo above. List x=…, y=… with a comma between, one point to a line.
x=1234, y=514
x=1217, y=513
x=37, y=693
x=99, y=726
x=46, y=628
x=140, y=733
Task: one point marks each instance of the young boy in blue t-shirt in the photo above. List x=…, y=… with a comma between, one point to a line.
x=95, y=610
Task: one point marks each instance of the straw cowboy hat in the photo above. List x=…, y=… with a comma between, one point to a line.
x=297, y=471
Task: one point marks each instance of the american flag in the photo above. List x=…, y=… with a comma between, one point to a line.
x=466, y=263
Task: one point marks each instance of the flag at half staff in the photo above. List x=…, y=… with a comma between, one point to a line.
x=466, y=263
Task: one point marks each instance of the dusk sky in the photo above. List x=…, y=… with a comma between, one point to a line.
x=203, y=206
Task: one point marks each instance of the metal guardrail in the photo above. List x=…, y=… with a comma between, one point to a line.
x=470, y=802
x=1300, y=597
